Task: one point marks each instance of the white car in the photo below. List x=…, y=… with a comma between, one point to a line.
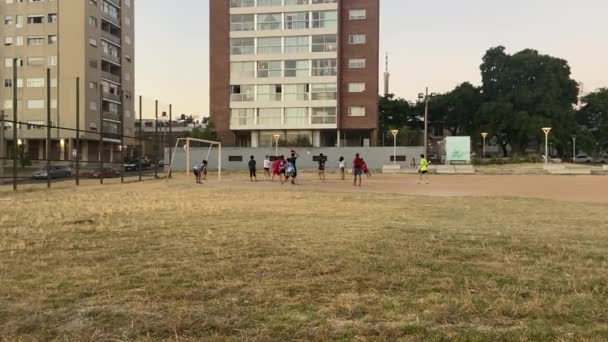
x=583, y=158
x=603, y=159
x=552, y=159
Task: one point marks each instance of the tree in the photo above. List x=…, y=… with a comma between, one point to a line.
x=456, y=111
x=593, y=116
x=523, y=92
x=396, y=113
x=207, y=133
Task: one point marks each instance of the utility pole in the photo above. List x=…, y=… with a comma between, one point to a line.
x=426, y=124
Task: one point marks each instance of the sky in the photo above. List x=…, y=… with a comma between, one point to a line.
x=436, y=43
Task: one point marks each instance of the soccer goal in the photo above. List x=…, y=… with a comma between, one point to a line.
x=195, y=151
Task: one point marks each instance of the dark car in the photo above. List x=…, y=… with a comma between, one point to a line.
x=133, y=164
x=58, y=171
x=105, y=173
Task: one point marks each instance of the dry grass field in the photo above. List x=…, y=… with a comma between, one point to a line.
x=257, y=262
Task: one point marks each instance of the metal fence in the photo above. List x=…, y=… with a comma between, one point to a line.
x=105, y=148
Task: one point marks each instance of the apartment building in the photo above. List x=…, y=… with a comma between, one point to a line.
x=296, y=69
x=92, y=40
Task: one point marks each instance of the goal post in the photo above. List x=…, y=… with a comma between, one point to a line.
x=187, y=145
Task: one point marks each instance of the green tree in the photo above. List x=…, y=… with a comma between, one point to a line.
x=523, y=92
x=207, y=133
x=456, y=110
x=396, y=113
x=593, y=117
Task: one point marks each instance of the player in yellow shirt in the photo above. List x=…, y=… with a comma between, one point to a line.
x=423, y=169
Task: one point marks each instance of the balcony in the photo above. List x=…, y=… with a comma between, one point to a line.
x=111, y=116
x=110, y=37
x=111, y=97
x=110, y=58
x=111, y=77
x=111, y=19
x=114, y=2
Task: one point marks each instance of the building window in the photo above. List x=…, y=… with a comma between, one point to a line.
x=34, y=83
x=356, y=111
x=8, y=83
x=296, y=116
x=110, y=10
x=240, y=93
x=19, y=40
x=296, y=2
x=296, y=92
x=35, y=19
x=8, y=41
x=357, y=38
x=93, y=42
x=324, y=67
x=324, y=1
x=52, y=18
x=297, y=68
x=323, y=91
x=36, y=61
x=93, y=63
x=270, y=92
x=270, y=45
x=52, y=39
x=51, y=61
x=325, y=43
x=325, y=19
x=357, y=14
x=323, y=115
x=242, y=116
x=242, y=22
x=297, y=44
x=92, y=85
x=242, y=70
x=269, y=21
x=19, y=20
x=93, y=106
x=264, y=3
x=297, y=20
x=242, y=46
x=92, y=21
x=269, y=69
x=35, y=40
x=35, y=104
x=356, y=63
x=8, y=20
x=356, y=87
x=242, y=3
x=270, y=116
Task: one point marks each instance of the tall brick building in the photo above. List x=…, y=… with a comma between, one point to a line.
x=302, y=69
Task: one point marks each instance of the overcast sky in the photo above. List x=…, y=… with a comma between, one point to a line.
x=436, y=43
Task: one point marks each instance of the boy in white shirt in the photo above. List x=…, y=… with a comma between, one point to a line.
x=267, y=167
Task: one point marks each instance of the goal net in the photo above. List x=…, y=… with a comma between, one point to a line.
x=188, y=152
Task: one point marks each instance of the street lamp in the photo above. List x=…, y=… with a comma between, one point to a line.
x=276, y=141
x=546, y=130
x=484, y=135
x=394, y=132
x=426, y=97
x=573, y=148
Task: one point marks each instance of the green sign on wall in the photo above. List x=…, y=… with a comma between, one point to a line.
x=458, y=148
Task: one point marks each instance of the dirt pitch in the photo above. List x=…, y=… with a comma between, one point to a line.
x=466, y=258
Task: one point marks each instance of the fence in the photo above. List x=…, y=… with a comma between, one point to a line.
x=77, y=141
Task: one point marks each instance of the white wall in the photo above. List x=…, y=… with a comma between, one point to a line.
x=375, y=157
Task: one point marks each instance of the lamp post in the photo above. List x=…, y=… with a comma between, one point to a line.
x=394, y=132
x=426, y=97
x=573, y=149
x=546, y=130
x=276, y=141
x=484, y=135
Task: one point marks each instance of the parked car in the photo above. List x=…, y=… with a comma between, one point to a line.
x=133, y=164
x=105, y=173
x=553, y=159
x=57, y=171
x=583, y=158
x=602, y=159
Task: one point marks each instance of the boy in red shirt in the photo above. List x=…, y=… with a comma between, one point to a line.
x=357, y=169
